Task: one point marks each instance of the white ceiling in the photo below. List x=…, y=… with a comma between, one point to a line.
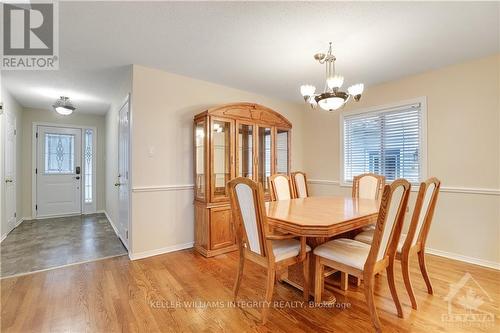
x=256, y=46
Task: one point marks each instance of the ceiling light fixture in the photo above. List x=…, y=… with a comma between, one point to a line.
x=63, y=106
x=332, y=98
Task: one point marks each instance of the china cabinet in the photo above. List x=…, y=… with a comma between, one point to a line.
x=233, y=140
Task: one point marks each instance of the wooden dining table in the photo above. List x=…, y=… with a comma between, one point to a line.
x=319, y=219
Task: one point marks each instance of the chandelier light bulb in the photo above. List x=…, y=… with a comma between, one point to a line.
x=335, y=82
x=356, y=89
x=307, y=90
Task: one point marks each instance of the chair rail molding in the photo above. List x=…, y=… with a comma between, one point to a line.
x=448, y=189
x=163, y=188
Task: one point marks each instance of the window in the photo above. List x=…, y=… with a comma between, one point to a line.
x=388, y=141
x=88, y=160
x=59, y=153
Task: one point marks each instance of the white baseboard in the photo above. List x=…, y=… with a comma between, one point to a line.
x=114, y=228
x=150, y=253
x=459, y=257
x=15, y=226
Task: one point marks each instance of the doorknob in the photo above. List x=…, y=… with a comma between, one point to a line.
x=77, y=177
x=117, y=184
x=9, y=181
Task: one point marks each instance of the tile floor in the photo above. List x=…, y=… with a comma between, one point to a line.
x=47, y=243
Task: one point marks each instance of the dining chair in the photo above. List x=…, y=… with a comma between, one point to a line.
x=414, y=241
x=299, y=184
x=273, y=251
x=280, y=187
x=368, y=186
x=365, y=261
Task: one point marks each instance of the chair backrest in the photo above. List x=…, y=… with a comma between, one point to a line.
x=280, y=187
x=249, y=216
x=299, y=182
x=423, y=213
x=390, y=221
x=368, y=186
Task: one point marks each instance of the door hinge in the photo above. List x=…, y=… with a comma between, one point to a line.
x=15, y=214
x=36, y=171
x=36, y=135
x=15, y=132
x=36, y=207
x=126, y=234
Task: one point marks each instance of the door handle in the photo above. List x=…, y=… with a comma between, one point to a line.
x=9, y=181
x=77, y=177
x=118, y=184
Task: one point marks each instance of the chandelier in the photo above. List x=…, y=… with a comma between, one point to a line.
x=332, y=98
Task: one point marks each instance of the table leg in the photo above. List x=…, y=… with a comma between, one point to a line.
x=291, y=277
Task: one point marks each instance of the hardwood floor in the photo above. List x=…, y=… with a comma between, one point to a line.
x=118, y=295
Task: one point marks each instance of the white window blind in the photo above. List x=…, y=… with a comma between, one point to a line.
x=385, y=142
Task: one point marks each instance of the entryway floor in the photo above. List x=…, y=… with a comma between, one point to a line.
x=47, y=243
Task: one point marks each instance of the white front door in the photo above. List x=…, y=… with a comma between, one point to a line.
x=58, y=171
x=10, y=169
x=123, y=172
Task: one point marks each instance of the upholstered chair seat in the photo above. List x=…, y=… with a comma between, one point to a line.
x=345, y=251
x=286, y=248
x=367, y=237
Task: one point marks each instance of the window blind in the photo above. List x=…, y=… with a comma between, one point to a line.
x=385, y=142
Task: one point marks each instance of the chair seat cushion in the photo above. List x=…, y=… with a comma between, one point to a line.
x=286, y=248
x=345, y=251
x=368, y=227
x=365, y=236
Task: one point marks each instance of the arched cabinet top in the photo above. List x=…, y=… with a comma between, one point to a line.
x=248, y=112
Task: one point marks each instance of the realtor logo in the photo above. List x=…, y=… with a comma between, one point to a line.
x=464, y=301
x=30, y=36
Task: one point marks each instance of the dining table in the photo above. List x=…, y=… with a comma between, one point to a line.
x=320, y=218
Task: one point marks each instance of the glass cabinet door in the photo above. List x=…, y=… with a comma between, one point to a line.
x=282, y=151
x=200, y=177
x=264, y=142
x=221, y=157
x=245, y=157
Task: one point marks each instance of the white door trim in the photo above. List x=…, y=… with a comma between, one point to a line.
x=34, y=148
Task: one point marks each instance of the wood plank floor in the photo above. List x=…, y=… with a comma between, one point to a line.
x=118, y=295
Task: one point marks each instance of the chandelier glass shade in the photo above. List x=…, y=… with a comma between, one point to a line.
x=63, y=106
x=332, y=97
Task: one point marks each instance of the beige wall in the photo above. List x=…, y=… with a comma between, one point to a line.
x=463, y=139
x=78, y=119
x=163, y=106
x=10, y=104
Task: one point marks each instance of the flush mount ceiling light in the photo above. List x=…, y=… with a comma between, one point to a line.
x=63, y=106
x=332, y=98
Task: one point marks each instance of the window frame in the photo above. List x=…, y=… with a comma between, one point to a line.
x=380, y=109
